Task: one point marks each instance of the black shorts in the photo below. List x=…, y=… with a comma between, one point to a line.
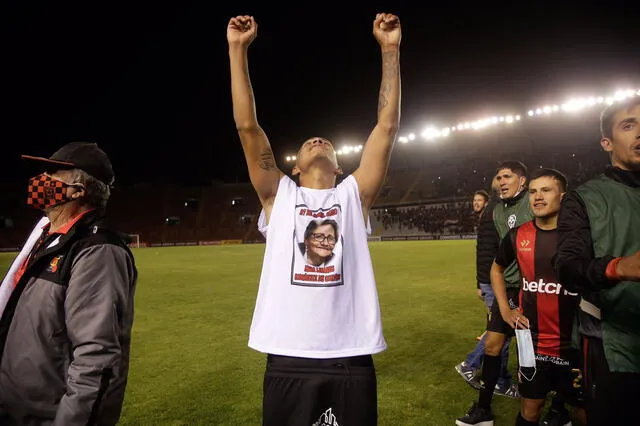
x=556, y=375
x=495, y=322
x=303, y=391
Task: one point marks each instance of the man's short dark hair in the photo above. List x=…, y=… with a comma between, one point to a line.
x=515, y=166
x=606, y=117
x=556, y=174
x=482, y=192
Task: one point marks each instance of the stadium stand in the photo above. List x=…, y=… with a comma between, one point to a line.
x=427, y=190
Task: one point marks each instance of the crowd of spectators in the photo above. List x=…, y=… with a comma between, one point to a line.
x=421, y=194
x=441, y=218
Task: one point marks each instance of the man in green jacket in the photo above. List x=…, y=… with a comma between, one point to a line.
x=512, y=210
x=599, y=257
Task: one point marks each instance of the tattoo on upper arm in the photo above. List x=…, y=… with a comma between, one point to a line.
x=267, y=161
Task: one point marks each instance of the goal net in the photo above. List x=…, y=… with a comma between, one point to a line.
x=374, y=238
x=134, y=240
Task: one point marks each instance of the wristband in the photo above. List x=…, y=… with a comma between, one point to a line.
x=610, y=273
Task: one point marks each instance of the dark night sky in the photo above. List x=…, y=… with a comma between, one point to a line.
x=150, y=82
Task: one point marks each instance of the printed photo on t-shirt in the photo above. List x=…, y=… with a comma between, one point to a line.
x=317, y=251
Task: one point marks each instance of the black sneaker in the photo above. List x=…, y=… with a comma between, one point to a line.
x=556, y=418
x=470, y=375
x=476, y=416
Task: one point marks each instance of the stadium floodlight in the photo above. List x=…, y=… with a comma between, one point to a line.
x=622, y=94
x=430, y=133
x=572, y=105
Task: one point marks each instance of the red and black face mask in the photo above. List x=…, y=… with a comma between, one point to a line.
x=45, y=192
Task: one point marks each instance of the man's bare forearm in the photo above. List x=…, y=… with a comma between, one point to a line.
x=389, y=96
x=244, y=109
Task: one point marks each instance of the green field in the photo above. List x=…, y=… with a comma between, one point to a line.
x=191, y=364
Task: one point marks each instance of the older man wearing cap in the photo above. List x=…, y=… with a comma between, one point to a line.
x=67, y=309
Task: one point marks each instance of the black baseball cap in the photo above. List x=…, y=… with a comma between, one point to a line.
x=85, y=156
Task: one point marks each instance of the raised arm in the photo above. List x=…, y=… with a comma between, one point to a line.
x=263, y=172
x=374, y=162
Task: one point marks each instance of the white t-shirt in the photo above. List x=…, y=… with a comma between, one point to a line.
x=317, y=296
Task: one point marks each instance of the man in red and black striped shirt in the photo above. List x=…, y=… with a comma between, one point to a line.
x=546, y=307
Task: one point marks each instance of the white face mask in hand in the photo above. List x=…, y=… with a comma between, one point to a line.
x=526, y=354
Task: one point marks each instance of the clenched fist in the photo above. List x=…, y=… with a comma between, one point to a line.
x=242, y=30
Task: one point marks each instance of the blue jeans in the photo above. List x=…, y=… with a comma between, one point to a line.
x=474, y=359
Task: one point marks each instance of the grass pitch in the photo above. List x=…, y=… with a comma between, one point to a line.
x=191, y=364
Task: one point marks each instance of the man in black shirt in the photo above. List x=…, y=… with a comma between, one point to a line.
x=486, y=246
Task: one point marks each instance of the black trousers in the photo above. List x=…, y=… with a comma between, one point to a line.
x=320, y=392
x=610, y=398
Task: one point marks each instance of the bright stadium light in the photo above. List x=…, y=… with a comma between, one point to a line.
x=572, y=105
x=430, y=133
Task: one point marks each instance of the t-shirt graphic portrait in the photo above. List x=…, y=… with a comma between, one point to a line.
x=317, y=253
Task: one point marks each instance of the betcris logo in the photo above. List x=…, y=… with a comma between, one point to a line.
x=547, y=288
